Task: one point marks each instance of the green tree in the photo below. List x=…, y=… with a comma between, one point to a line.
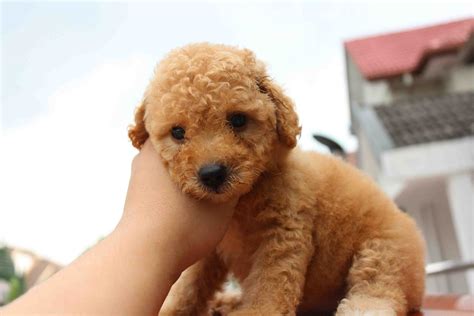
x=7, y=273
x=7, y=268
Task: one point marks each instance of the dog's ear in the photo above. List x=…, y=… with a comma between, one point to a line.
x=287, y=120
x=137, y=132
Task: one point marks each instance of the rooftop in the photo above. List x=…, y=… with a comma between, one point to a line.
x=428, y=119
x=393, y=54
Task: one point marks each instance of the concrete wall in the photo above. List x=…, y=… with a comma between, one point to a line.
x=362, y=91
x=439, y=193
x=355, y=81
x=366, y=159
x=419, y=87
x=426, y=200
x=430, y=159
x=377, y=92
x=460, y=188
x=461, y=79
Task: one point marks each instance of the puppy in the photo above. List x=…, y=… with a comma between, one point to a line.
x=310, y=233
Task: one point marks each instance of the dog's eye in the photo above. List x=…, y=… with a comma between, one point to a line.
x=178, y=132
x=237, y=120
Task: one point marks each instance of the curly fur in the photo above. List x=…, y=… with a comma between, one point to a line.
x=310, y=232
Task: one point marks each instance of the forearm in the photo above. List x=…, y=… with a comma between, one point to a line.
x=130, y=272
x=127, y=273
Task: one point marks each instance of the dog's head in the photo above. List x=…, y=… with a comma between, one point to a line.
x=216, y=119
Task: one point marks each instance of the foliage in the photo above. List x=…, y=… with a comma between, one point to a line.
x=7, y=268
x=17, y=288
x=7, y=272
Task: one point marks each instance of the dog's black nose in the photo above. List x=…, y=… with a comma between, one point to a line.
x=213, y=176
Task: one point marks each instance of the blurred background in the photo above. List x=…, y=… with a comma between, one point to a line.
x=387, y=85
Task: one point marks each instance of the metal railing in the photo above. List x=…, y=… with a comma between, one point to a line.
x=448, y=266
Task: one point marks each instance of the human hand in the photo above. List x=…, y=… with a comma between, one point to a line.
x=161, y=233
x=182, y=227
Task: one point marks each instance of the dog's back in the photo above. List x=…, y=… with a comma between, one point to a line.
x=354, y=229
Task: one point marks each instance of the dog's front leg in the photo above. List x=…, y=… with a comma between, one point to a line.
x=277, y=277
x=196, y=286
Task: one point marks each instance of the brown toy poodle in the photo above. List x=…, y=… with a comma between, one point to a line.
x=310, y=232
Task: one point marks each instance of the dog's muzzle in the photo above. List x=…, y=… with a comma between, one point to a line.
x=213, y=176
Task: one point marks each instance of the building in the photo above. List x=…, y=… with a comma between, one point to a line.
x=411, y=96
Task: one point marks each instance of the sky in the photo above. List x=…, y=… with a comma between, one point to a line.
x=73, y=72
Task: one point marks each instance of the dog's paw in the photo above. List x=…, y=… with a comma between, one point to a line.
x=365, y=306
x=260, y=312
x=249, y=312
x=360, y=312
x=224, y=303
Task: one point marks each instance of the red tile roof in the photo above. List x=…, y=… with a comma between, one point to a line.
x=393, y=54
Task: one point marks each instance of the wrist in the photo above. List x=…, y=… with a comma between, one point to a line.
x=152, y=243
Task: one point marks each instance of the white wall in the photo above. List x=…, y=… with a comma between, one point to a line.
x=377, y=92
x=426, y=200
x=366, y=159
x=460, y=189
x=363, y=91
x=450, y=160
x=461, y=79
x=430, y=159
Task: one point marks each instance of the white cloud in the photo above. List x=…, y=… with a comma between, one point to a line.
x=65, y=174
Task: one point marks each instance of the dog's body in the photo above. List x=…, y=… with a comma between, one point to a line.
x=309, y=232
